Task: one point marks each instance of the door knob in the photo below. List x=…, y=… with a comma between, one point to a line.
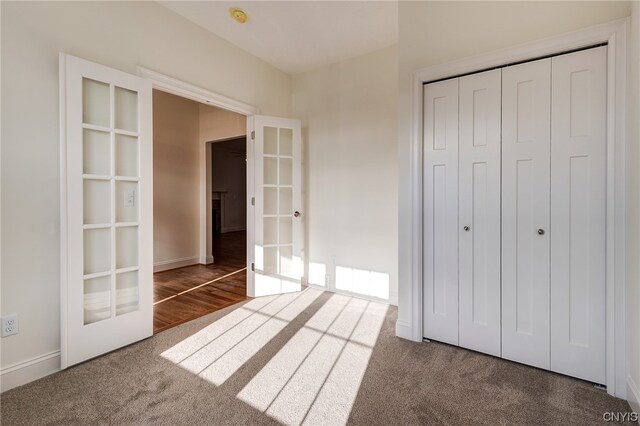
x=540, y=231
x=466, y=228
x=296, y=214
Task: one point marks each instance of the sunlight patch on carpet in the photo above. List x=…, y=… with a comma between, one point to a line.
x=315, y=377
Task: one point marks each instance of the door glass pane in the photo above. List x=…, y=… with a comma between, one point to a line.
x=126, y=292
x=97, y=201
x=286, y=228
x=270, y=171
x=286, y=142
x=97, y=299
x=270, y=260
x=96, y=152
x=126, y=247
x=270, y=201
x=126, y=109
x=126, y=201
x=286, y=203
x=126, y=156
x=271, y=141
x=95, y=103
x=286, y=171
x=286, y=260
x=270, y=231
x=97, y=250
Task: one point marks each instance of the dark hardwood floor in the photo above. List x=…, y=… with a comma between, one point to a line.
x=183, y=294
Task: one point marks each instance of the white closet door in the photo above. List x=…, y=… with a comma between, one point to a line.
x=440, y=142
x=479, y=225
x=578, y=214
x=526, y=93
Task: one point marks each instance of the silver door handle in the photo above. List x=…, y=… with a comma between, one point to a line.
x=296, y=214
x=466, y=228
x=540, y=231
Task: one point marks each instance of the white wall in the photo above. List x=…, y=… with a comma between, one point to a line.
x=633, y=166
x=439, y=32
x=229, y=176
x=176, y=180
x=121, y=35
x=349, y=119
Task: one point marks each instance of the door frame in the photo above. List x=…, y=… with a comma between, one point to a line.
x=615, y=34
x=186, y=90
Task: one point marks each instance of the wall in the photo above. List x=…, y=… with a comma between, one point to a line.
x=121, y=35
x=633, y=166
x=438, y=32
x=176, y=180
x=350, y=171
x=229, y=175
x=217, y=124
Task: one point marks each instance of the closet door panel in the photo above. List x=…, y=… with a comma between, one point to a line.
x=526, y=102
x=440, y=221
x=479, y=203
x=578, y=214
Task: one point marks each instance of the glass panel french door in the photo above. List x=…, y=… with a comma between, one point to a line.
x=278, y=213
x=106, y=211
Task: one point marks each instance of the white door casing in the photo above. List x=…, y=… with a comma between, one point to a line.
x=277, y=249
x=578, y=214
x=106, y=209
x=526, y=92
x=441, y=211
x=479, y=210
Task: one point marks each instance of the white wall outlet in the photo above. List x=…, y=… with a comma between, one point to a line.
x=9, y=325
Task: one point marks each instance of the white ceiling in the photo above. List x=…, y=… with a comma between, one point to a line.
x=298, y=36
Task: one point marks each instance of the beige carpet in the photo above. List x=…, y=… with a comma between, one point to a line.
x=307, y=358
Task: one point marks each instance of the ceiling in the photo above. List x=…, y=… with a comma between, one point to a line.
x=298, y=36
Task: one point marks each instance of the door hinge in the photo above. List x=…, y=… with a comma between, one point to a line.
x=253, y=134
x=253, y=267
x=253, y=201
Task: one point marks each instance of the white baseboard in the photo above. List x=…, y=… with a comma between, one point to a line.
x=165, y=265
x=27, y=371
x=633, y=395
x=403, y=330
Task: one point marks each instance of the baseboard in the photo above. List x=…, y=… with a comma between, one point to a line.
x=165, y=265
x=226, y=229
x=27, y=371
x=403, y=330
x=633, y=394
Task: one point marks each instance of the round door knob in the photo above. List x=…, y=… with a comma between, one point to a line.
x=540, y=231
x=296, y=214
x=466, y=228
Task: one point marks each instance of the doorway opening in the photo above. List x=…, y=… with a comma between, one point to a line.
x=188, y=285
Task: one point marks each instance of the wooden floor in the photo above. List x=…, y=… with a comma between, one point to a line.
x=187, y=293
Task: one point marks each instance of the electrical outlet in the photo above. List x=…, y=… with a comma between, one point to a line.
x=9, y=325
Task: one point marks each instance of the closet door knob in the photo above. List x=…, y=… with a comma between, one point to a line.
x=466, y=228
x=296, y=214
x=540, y=231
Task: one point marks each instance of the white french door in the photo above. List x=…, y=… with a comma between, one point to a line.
x=276, y=252
x=106, y=219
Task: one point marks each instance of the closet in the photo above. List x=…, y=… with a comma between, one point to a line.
x=515, y=212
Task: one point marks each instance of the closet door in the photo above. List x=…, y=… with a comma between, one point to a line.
x=526, y=93
x=440, y=221
x=479, y=224
x=578, y=214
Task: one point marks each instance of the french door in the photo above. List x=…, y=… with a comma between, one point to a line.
x=106, y=217
x=275, y=254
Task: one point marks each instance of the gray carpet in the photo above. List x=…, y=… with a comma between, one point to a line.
x=312, y=358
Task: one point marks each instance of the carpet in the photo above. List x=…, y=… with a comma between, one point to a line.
x=302, y=358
